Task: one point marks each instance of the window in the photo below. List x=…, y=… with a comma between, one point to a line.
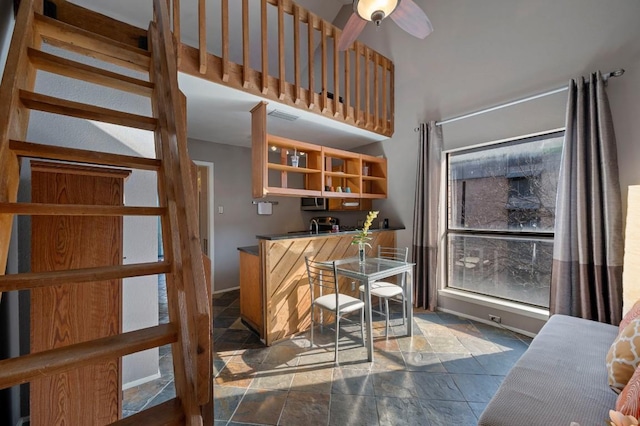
x=500, y=218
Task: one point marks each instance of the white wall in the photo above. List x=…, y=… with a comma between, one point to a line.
x=485, y=53
x=7, y=23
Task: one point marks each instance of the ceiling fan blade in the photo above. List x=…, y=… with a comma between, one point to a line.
x=351, y=31
x=412, y=19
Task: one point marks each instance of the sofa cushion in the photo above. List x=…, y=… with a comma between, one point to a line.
x=560, y=379
x=629, y=400
x=624, y=355
x=633, y=313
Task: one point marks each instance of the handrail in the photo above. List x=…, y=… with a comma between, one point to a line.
x=186, y=283
x=14, y=117
x=360, y=95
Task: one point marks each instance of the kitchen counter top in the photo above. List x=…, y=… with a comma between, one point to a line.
x=308, y=234
x=250, y=250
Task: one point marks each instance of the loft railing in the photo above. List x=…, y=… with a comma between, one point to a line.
x=280, y=51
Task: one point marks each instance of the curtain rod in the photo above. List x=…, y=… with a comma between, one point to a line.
x=616, y=73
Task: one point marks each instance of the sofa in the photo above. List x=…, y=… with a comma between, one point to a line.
x=561, y=378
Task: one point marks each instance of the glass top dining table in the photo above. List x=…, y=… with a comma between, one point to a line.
x=375, y=269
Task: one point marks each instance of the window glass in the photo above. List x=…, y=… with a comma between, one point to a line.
x=501, y=212
x=505, y=187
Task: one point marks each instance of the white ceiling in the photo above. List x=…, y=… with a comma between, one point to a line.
x=219, y=114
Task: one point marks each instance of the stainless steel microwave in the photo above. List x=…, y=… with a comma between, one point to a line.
x=314, y=203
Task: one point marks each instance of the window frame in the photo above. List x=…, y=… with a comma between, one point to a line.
x=548, y=235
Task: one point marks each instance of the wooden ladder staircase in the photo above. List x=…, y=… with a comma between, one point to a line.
x=189, y=298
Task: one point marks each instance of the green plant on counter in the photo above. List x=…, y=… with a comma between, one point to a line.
x=362, y=235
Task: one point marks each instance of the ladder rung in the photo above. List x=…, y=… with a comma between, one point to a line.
x=55, y=64
x=81, y=41
x=53, y=105
x=15, y=371
x=31, y=280
x=45, y=209
x=50, y=152
x=169, y=413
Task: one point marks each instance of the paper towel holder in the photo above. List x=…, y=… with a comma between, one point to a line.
x=265, y=208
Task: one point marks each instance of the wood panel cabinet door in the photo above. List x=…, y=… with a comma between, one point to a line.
x=251, y=291
x=73, y=313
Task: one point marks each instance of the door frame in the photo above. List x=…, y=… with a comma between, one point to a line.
x=209, y=165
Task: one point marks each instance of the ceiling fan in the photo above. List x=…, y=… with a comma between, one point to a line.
x=405, y=13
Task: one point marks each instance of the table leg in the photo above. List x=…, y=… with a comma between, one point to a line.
x=367, y=312
x=409, y=302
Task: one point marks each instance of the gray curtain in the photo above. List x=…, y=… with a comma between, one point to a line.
x=425, y=216
x=586, y=280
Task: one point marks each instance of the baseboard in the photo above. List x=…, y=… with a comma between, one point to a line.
x=484, y=321
x=141, y=381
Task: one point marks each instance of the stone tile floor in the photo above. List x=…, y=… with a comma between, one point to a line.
x=444, y=375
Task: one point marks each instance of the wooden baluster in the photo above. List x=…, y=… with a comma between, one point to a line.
x=347, y=85
x=225, y=40
x=281, y=52
x=202, y=35
x=376, y=92
x=323, y=38
x=392, y=98
x=246, y=65
x=176, y=28
x=336, y=74
x=265, y=48
x=384, y=94
x=296, y=52
x=358, y=83
x=310, y=52
x=367, y=88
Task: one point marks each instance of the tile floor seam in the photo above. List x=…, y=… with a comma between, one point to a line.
x=144, y=407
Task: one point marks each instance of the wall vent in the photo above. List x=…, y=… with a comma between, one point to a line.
x=283, y=115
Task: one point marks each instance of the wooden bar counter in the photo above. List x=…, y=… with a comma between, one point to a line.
x=283, y=282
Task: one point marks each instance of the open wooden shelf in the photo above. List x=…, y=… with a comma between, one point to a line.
x=291, y=169
x=320, y=170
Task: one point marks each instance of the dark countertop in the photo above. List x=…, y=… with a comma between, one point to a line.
x=307, y=234
x=250, y=250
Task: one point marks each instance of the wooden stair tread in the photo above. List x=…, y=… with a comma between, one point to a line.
x=54, y=105
x=81, y=41
x=43, y=209
x=168, y=413
x=189, y=296
x=66, y=67
x=15, y=371
x=31, y=280
x=50, y=152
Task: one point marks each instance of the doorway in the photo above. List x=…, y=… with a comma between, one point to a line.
x=205, y=210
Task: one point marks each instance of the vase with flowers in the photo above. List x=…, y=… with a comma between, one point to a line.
x=362, y=237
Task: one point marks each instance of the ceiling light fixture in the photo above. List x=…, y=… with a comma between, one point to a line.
x=375, y=10
x=405, y=13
